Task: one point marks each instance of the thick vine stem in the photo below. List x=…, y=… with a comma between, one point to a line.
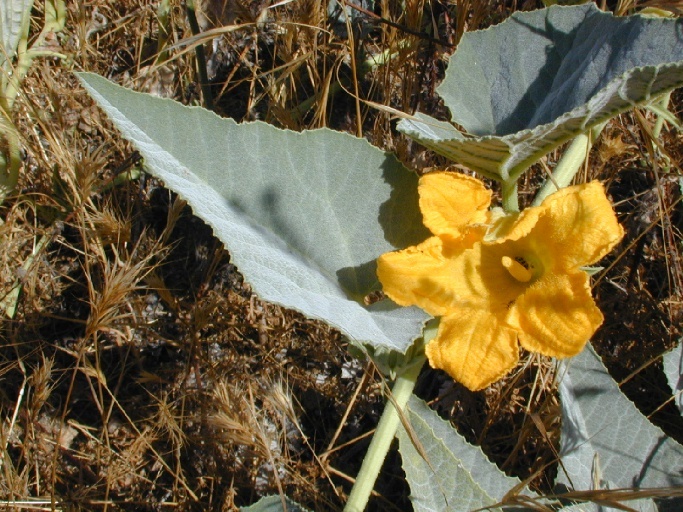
x=10, y=161
x=10, y=83
x=510, y=198
x=384, y=435
x=570, y=163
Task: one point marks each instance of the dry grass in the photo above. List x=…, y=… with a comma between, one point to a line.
x=140, y=372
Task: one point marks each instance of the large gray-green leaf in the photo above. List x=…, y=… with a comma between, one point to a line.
x=273, y=504
x=673, y=369
x=605, y=438
x=460, y=477
x=304, y=215
x=13, y=15
x=540, y=78
x=587, y=506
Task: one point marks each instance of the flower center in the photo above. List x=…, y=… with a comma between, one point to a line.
x=518, y=268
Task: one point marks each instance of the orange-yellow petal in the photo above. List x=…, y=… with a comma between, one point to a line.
x=440, y=278
x=451, y=202
x=416, y=276
x=557, y=315
x=578, y=226
x=473, y=347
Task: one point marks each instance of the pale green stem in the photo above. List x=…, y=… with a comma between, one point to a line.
x=10, y=161
x=370, y=64
x=55, y=18
x=663, y=103
x=164, y=17
x=8, y=303
x=510, y=198
x=11, y=87
x=570, y=163
x=381, y=440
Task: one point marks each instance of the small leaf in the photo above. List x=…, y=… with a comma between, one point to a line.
x=13, y=15
x=457, y=475
x=540, y=78
x=273, y=504
x=605, y=439
x=304, y=215
x=673, y=369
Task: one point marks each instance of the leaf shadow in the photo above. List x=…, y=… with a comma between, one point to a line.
x=578, y=64
x=531, y=108
x=401, y=222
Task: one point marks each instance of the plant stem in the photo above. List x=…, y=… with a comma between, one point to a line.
x=8, y=303
x=663, y=103
x=204, y=85
x=510, y=199
x=384, y=435
x=570, y=163
x=10, y=84
x=164, y=17
x=370, y=64
x=10, y=162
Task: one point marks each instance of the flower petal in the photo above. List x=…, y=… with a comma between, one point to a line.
x=513, y=226
x=416, y=276
x=473, y=347
x=557, y=315
x=579, y=225
x=450, y=202
x=440, y=277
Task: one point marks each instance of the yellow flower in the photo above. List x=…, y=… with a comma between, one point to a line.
x=500, y=280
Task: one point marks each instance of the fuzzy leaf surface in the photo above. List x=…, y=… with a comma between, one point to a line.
x=12, y=16
x=673, y=369
x=640, y=505
x=540, y=78
x=304, y=215
x=273, y=504
x=460, y=477
x=606, y=439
